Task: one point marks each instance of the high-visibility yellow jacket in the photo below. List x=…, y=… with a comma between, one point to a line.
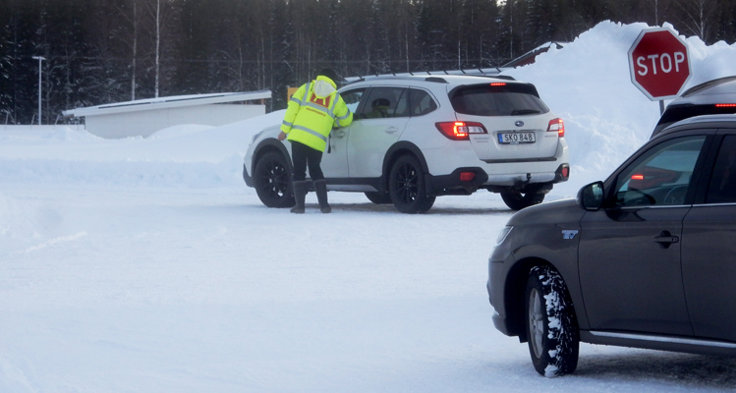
x=312, y=112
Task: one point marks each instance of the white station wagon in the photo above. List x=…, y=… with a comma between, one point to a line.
x=415, y=138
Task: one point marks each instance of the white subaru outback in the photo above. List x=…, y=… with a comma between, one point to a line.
x=415, y=138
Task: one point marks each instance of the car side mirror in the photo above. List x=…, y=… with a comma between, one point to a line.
x=590, y=197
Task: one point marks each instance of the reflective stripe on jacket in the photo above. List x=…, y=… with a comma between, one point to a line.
x=312, y=112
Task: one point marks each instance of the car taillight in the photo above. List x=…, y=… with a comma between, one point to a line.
x=725, y=105
x=460, y=130
x=558, y=126
x=498, y=84
x=467, y=176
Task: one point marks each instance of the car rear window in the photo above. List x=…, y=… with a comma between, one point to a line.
x=497, y=99
x=679, y=112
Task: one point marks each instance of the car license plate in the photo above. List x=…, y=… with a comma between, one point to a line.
x=513, y=137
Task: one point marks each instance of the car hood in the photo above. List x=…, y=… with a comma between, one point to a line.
x=557, y=212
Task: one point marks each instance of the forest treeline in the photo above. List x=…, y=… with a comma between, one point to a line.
x=100, y=51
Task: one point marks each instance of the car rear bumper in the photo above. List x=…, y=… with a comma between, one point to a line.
x=462, y=181
x=520, y=179
x=502, y=173
x=465, y=181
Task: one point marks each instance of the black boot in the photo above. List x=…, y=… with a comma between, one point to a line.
x=320, y=187
x=300, y=190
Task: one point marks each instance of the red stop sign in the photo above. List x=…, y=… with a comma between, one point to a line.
x=659, y=63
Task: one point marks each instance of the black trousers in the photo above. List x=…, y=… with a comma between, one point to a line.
x=303, y=156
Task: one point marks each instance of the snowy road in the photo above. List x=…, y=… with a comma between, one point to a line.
x=148, y=289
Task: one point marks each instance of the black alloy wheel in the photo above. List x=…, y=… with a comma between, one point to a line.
x=407, y=186
x=272, y=178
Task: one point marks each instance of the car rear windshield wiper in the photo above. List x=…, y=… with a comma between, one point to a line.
x=525, y=112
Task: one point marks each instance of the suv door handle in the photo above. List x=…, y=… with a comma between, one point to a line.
x=666, y=239
x=391, y=130
x=338, y=133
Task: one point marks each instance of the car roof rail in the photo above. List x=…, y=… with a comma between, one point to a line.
x=435, y=79
x=494, y=72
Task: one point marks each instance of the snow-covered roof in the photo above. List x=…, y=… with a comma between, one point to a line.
x=168, y=102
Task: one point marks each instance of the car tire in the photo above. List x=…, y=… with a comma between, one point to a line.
x=272, y=180
x=551, y=326
x=407, y=186
x=379, y=198
x=516, y=200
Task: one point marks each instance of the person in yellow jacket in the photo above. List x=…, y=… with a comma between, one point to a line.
x=314, y=109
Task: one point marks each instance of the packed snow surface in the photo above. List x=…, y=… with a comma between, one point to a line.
x=146, y=265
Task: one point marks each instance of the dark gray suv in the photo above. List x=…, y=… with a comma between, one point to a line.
x=646, y=258
x=717, y=96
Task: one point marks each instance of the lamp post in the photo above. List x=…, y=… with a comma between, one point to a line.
x=40, y=59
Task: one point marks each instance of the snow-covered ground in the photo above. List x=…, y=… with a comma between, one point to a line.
x=146, y=265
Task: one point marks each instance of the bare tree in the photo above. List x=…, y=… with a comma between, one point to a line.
x=158, y=20
x=158, y=48
x=696, y=16
x=134, y=51
x=126, y=36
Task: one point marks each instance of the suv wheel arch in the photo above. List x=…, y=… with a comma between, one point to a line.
x=272, y=176
x=393, y=153
x=514, y=291
x=270, y=145
x=514, y=288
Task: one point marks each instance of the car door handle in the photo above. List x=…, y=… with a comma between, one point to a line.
x=391, y=130
x=338, y=133
x=666, y=239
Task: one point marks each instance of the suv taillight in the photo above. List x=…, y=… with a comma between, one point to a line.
x=460, y=130
x=558, y=126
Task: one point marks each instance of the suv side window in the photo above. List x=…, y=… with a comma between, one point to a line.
x=384, y=102
x=661, y=176
x=352, y=98
x=722, y=188
x=421, y=102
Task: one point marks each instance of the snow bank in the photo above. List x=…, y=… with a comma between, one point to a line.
x=588, y=84
x=185, y=155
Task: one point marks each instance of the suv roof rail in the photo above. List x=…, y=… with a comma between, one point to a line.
x=494, y=72
x=435, y=79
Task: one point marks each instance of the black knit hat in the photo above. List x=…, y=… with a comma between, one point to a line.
x=330, y=73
